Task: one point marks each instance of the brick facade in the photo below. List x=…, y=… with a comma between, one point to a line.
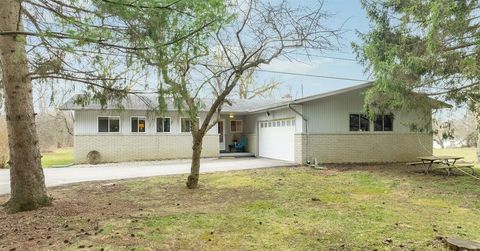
x=118, y=148
x=362, y=147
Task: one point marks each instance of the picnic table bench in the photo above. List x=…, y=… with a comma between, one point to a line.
x=443, y=162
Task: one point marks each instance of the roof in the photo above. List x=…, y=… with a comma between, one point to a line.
x=150, y=102
x=313, y=97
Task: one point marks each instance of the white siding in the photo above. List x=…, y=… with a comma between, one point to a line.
x=86, y=121
x=284, y=113
x=331, y=114
x=251, y=124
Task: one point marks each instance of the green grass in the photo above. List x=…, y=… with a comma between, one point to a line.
x=470, y=154
x=386, y=207
x=60, y=157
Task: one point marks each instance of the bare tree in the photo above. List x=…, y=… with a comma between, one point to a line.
x=55, y=127
x=261, y=33
x=466, y=129
x=247, y=88
x=443, y=131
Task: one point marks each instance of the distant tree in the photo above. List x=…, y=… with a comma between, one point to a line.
x=466, y=129
x=249, y=88
x=442, y=132
x=429, y=47
x=55, y=127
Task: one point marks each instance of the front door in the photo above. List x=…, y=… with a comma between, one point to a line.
x=221, y=131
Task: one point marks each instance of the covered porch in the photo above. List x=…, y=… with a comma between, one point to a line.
x=236, y=137
x=235, y=154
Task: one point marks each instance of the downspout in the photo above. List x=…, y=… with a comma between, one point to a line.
x=306, y=131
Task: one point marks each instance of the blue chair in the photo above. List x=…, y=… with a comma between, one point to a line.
x=241, y=146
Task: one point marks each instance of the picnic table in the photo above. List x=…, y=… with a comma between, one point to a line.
x=448, y=162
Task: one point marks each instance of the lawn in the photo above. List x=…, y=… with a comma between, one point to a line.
x=347, y=207
x=58, y=158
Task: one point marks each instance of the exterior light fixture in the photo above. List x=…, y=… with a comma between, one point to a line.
x=231, y=115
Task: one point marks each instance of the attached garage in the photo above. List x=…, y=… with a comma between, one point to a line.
x=277, y=139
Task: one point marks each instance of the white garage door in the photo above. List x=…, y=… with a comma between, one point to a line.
x=277, y=139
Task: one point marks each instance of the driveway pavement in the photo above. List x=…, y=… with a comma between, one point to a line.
x=81, y=173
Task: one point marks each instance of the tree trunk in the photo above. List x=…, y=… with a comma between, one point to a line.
x=192, y=181
x=27, y=181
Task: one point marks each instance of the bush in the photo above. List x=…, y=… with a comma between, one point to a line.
x=471, y=140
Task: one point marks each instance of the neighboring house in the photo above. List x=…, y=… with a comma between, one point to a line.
x=328, y=128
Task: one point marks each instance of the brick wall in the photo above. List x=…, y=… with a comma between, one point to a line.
x=363, y=147
x=118, y=148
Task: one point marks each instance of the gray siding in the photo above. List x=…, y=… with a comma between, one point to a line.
x=284, y=113
x=86, y=121
x=331, y=114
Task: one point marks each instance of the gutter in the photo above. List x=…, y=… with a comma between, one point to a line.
x=306, y=131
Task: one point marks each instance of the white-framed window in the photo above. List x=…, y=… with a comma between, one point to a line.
x=359, y=123
x=186, y=124
x=163, y=124
x=108, y=124
x=236, y=125
x=383, y=123
x=138, y=124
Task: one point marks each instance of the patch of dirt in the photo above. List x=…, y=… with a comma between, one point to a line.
x=75, y=214
x=80, y=211
x=394, y=169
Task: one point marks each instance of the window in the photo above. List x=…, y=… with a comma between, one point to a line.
x=236, y=126
x=138, y=124
x=186, y=124
x=359, y=122
x=163, y=124
x=383, y=123
x=108, y=124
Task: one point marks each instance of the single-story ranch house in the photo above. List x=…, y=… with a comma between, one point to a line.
x=327, y=128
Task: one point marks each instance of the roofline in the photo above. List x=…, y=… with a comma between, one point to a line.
x=313, y=97
x=332, y=93
x=276, y=106
x=282, y=104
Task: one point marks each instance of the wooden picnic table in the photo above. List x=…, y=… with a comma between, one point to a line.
x=448, y=161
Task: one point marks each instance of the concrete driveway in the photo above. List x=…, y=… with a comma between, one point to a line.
x=81, y=173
